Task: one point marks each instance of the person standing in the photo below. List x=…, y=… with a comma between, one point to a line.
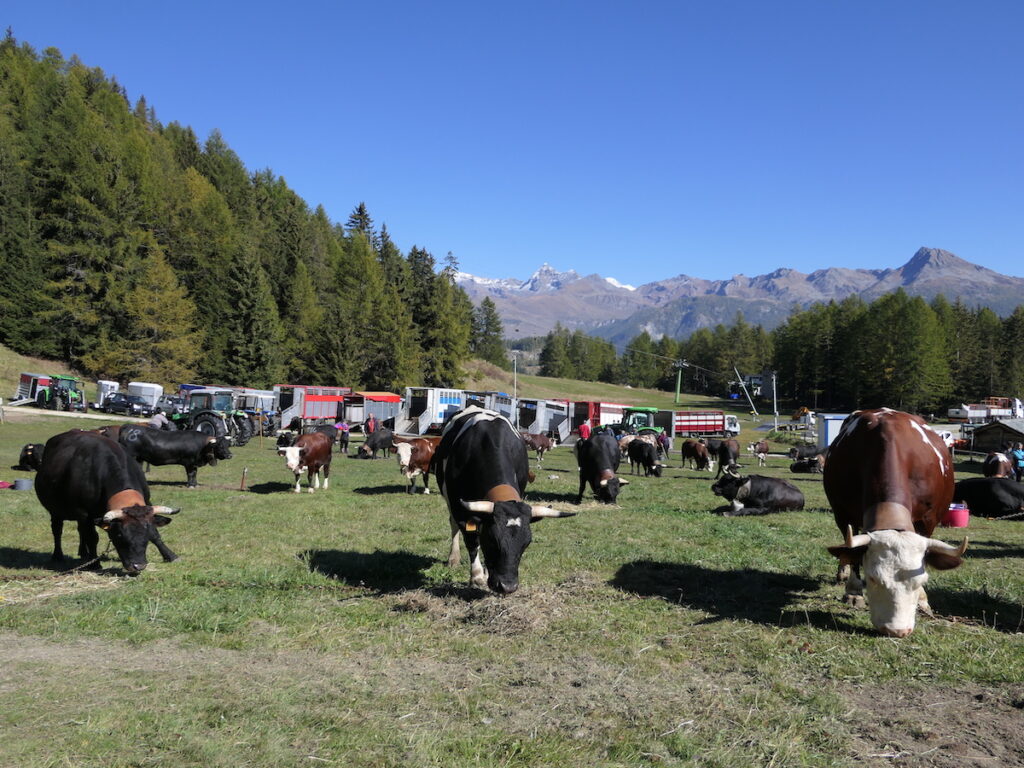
x=343, y=429
x=371, y=424
x=585, y=430
x=158, y=420
x=1017, y=457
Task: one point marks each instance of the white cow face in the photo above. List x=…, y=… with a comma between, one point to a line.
x=403, y=452
x=894, y=577
x=294, y=457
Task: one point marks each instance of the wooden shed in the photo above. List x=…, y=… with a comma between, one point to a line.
x=994, y=435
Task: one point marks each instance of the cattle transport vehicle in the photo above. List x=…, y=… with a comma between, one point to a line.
x=104, y=389
x=149, y=392
x=595, y=413
x=308, y=406
x=544, y=417
x=426, y=409
x=357, y=406
x=705, y=424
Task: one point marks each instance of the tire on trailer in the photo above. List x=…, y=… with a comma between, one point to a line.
x=209, y=424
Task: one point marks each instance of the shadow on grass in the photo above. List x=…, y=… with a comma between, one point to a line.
x=742, y=595
x=373, y=490
x=10, y=557
x=271, y=487
x=380, y=571
x=984, y=550
x=981, y=607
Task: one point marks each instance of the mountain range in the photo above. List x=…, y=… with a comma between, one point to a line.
x=678, y=306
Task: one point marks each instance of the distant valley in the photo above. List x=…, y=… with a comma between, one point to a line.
x=680, y=305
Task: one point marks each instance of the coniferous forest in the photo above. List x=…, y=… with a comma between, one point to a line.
x=130, y=249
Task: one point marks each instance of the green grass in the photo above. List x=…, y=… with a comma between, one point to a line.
x=300, y=630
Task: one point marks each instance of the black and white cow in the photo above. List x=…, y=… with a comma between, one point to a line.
x=599, y=459
x=188, y=448
x=481, y=468
x=990, y=496
x=728, y=455
x=88, y=479
x=756, y=494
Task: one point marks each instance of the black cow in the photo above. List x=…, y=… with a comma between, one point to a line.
x=188, y=448
x=30, y=457
x=598, y=459
x=482, y=469
x=757, y=495
x=990, y=496
x=286, y=438
x=798, y=452
x=380, y=439
x=813, y=465
x=89, y=479
x=728, y=455
x=643, y=454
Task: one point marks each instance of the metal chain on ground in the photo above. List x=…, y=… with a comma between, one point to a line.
x=87, y=563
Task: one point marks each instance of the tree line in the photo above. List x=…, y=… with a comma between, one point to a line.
x=897, y=350
x=131, y=250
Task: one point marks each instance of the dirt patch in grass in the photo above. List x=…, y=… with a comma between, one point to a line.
x=962, y=726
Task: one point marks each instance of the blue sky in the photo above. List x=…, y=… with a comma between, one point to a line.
x=637, y=140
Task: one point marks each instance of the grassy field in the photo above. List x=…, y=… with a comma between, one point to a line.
x=300, y=630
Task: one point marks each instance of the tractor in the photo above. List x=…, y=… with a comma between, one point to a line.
x=63, y=393
x=213, y=412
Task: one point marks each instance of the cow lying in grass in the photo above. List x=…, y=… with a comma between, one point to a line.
x=756, y=494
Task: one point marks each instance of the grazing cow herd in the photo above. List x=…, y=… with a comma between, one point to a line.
x=888, y=478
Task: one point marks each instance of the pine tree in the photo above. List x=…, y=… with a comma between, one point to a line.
x=488, y=341
x=554, y=357
x=359, y=221
x=253, y=353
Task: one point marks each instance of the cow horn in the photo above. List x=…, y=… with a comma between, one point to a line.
x=166, y=510
x=603, y=483
x=537, y=512
x=114, y=514
x=860, y=540
x=942, y=546
x=211, y=439
x=483, y=507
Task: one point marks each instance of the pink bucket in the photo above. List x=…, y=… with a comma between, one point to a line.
x=957, y=516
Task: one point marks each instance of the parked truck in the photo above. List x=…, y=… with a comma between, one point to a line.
x=705, y=424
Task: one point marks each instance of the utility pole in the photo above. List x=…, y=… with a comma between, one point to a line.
x=744, y=388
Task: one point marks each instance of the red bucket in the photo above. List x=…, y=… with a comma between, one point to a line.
x=957, y=516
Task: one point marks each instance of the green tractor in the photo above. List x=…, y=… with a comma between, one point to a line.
x=64, y=393
x=213, y=412
x=637, y=420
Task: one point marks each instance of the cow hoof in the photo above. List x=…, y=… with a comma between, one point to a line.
x=311, y=490
x=297, y=491
x=192, y=487
x=478, y=583
x=855, y=601
x=172, y=559
x=453, y=562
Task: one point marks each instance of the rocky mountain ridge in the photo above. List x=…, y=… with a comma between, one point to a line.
x=679, y=305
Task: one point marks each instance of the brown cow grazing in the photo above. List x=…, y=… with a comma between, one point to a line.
x=760, y=450
x=997, y=465
x=697, y=454
x=889, y=475
x=540, y=443
x=414, y=459
x=311, y=453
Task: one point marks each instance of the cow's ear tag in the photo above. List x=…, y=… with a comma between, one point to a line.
x=471, y=525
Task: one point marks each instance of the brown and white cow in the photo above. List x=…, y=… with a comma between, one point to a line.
x=414, y=459
x=760, y=450
x=889, y=477
x=309, y=454
x=997, y=465
x=539, y=443
x=697, y=454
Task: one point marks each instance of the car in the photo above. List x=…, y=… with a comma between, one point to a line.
x=172, y=404
x=129, y=405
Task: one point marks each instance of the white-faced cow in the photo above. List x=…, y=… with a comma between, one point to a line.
x=88, y=479
x=696, y=453
x=188, y=448
x=414, y=459
x=889, y=476
x=482, y=468
x=643, y=455
x=756, y=494
x=310, y=454
x=598, y=459
x=760, y=450
x=541, y=444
